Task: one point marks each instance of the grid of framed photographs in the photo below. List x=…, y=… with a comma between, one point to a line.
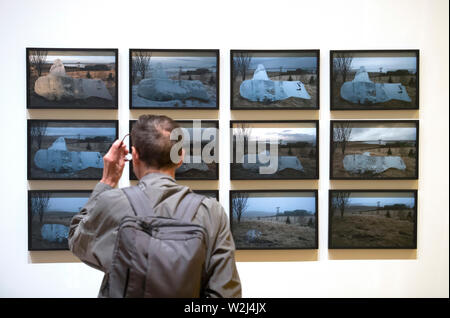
x=287, y=149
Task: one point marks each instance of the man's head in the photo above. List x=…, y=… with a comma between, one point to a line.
x=150, y=137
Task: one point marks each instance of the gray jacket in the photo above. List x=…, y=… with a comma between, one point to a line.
x=93, y=231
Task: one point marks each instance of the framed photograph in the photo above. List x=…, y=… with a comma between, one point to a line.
x=274, y=219
x=384, y=219
x=374, y=149
x=174, y=79
x=49, y=215
x=68, y=149
x=274, y=79
x=209, y=193
x=72, y=78
x=270, y=150
x=374, y=79
x=194, y=166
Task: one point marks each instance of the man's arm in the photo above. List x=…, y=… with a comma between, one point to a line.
x=91, y=230
x=222, y=272
x=82, y=232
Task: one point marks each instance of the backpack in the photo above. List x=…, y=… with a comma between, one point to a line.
x=156, y=256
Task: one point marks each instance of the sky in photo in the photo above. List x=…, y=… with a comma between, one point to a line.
x=83, y=132
x=83, y=59
x=270, y=203
x=206, y=134
x=69, y=204
x=286, y=63
x=281, y=134
x=173, y=63
x=372, y=201
x=366, y=134
x=373, y=64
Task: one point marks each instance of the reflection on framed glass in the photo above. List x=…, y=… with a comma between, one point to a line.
x=275, y=79
x=374, y=149
x=374, y=79
x=49, y=215
x=174, y=79
x=194, y=166
x=68, y=149
x=72, y=78
x=269, y=150
x=274, y=219
x=372, y=219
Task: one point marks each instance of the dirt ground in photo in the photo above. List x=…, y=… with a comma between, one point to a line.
x=366, y=231
x=273, y=235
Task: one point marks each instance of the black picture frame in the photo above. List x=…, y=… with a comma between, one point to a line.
x=207, y=192
x=31, y=97
x=316, y=157
x=216, y=177
x=115, y=124
x=215, y=52
x=316, y=227
x=31, y=246
x=330, y=219
x=368, y=177
x=353, y=106
x=315, y=52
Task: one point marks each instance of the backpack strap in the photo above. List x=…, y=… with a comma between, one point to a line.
x=139, y=201
x=188, y=206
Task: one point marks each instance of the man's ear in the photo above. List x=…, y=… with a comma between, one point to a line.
x=181, y=158
x=134, y=154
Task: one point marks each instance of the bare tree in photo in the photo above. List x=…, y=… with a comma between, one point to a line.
x=134, y=70
x=240, y=201
x=37, y=131
x=142, y=60
x=235, y=72
x=342, y=133
x=39, y=203
x=341, y=65
x=38, y=59
x=340, y=202
x=243, y=132
x=242, y=61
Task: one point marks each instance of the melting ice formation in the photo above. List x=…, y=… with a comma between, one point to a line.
x=58, y=159
x=376, y=164
x=193, y=163
x=160, y=88
x=262, y=89
x=363, y=91
x=57, y=85
x=253, y=162
x=54, y=232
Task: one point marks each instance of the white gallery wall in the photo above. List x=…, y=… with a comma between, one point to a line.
x=225, y=25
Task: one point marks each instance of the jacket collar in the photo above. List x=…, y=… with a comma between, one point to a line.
x=156, y=177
